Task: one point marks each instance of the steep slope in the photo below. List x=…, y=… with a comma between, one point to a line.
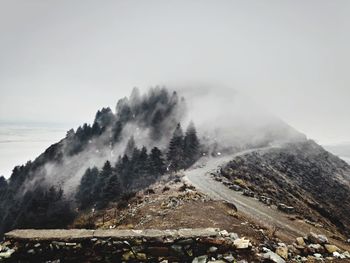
x=302, y=175
x=43, y=190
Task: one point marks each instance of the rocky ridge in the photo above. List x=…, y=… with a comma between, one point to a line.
x=300, y=178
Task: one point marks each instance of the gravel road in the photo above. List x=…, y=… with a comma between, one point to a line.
x=200, y=177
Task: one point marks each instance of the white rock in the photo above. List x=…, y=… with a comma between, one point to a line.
x=274, y=257
x=212, y=249
x=338, y=255
x=200, y=259
x=234, y=236
x=224, y=233
x=346, y=254
x=7, y=254
x=242, y=243
x=322, y=239
x=229, y=258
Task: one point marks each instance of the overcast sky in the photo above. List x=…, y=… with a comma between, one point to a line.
x=62, y=60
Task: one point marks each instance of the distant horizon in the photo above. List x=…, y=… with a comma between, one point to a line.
x=24, y=142
x=27, y=149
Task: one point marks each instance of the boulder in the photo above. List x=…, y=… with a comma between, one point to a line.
x=312, y=237
x=200, y=259
x=300, y=241
x=346, y=254
x=212, y=249
x=273, y=257
x=242, y=243
x=128, y=256
x=318, y=255
x=331, y=248
x=317, y=239
x=338, y=255
x=224, y=233
x=7, y=254
x=229, y=258
x=322, y=239
x=315, y=248
x=282, y=251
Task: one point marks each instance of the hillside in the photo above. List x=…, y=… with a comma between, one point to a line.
x=42, y=193
x=301, y=175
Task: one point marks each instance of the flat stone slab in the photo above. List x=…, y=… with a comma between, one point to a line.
x=80, y=234
x=50, y=234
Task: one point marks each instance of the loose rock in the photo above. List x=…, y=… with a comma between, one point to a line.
x=331, y=248
x=274, y=257
x=300, y=241
x=282, y=251
x=242, y=243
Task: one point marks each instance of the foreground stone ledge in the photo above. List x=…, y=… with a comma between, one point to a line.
x=49, y=234
x=80, y=234
x=112, y=245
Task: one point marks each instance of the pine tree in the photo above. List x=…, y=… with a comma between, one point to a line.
x=87, y=186
x=191, y=146
x=111, y=189
x=130, y=147
x=96, y=129
x=104, y=117
x=3, y=186
x=116, y=131
x=123, y=168
x=156, y=163
x=143, y=163
x=175, y=151
x=102, y=179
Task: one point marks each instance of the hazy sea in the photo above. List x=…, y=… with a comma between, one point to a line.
x=22, y=142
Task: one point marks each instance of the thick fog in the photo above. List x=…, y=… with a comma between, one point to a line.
x=235, y=123
x=233, y=119
x=63, y=60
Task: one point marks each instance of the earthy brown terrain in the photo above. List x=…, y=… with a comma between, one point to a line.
x=174, y=204
x=301, y=175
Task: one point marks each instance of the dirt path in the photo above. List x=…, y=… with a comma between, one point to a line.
x=263, y=215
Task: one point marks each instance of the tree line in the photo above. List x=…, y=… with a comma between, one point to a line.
x=137, y=168
x=26, y=196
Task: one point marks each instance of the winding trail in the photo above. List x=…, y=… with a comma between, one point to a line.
x=200, y=177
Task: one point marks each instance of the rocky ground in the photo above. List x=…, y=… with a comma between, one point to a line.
x=174, y=204
x=303, y=176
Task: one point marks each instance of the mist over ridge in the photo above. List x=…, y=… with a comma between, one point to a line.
x=227, y=122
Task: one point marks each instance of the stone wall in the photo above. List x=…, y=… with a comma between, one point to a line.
x=184, y=245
